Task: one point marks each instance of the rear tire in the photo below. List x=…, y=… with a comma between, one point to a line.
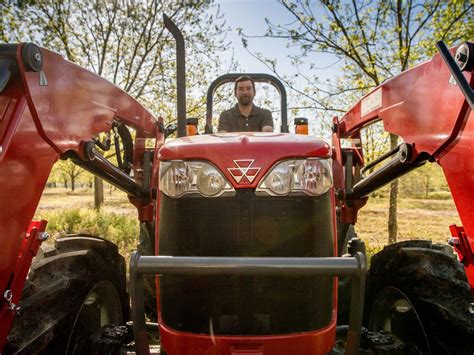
x=73, y=290
x=430, y=278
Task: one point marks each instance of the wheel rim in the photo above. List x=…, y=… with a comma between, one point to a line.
x=101, y=307
x=392, y=311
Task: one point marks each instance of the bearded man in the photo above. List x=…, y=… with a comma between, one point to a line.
x=245, y=116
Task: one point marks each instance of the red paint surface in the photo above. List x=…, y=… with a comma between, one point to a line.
x=423, y=107
x=29, y=247
x=309, y=343
x=264, y=148
x=78, y=104
x=458, y=165
x=37, y=123
x=24, y=170
x=419, y=105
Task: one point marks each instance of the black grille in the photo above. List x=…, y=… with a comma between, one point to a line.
x=246, y=225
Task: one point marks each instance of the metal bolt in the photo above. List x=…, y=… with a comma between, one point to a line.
x=37, y=57
x=43, y=236
x=471, y=308
x=404, y=152
x=8, y=296
x=453, y=241
x=461, y=57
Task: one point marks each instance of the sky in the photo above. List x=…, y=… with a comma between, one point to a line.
x=250, y=16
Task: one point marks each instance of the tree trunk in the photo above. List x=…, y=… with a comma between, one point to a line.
x=427, y=186
x=98, y=192
x=73, y=182
x=392, y=211
x=65, y=183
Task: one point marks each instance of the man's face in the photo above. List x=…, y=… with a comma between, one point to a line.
x=244, y=92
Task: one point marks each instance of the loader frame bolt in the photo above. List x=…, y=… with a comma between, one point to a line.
x=43, y=236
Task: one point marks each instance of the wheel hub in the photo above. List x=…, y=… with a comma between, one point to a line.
x=393, y=312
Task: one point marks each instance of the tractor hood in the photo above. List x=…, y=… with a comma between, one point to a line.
x=253, y=152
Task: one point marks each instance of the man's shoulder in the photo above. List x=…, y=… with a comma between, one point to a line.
x=262, y=111
x=229, y=112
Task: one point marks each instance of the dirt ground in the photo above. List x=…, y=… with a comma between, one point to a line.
x=417, y=219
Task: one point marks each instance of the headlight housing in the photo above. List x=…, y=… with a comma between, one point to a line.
x=179, y=178
x=312, y=176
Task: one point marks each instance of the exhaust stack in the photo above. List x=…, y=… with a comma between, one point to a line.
x=180, y=74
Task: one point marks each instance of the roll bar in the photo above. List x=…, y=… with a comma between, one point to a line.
x=257, y=77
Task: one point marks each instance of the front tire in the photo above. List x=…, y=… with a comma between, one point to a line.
x=427, y=283
x=73, y=290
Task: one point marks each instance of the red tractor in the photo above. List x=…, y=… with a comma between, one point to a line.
x=246, y=232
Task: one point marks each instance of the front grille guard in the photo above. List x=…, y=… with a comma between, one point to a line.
x=353, y=266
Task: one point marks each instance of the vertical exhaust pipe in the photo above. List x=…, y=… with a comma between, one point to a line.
x=180, y=74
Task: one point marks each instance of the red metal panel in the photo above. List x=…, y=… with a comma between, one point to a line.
x=37, y=123
x=265, y=149
x=422, y=105
x=25, y=168
x=458, y=166
x=77, y=104
x=29, y=247
x=317, y=342
x=426, y=108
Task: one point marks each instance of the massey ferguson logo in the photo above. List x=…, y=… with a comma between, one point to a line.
x=244, y=173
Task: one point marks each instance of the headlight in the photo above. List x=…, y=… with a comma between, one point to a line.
x=310, y=176
x=178, y=178
x=210, y=181
x=280, y=179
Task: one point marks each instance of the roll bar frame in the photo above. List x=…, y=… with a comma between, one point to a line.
x=257, y=77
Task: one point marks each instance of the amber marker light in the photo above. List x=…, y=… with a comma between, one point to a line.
x=301, y=125
x=191, y=126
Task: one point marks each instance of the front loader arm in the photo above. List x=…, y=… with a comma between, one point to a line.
x=49, y=109
x=430, y=108
x=423, y=105
x=70, y=104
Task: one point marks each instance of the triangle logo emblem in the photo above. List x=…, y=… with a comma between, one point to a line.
x=244, y=172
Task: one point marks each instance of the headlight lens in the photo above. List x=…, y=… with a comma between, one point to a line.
x=280, y=179
x=176, y=178
x=314, y=176
x=310, y=176
x=210, y=181
x=179, y=178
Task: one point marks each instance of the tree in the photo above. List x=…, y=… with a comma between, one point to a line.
x=423, y=181
x=373, y=39
x=68, y=171
x=125, y=41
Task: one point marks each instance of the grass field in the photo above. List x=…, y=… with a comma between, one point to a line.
x=417, y=219
x=68, y=212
